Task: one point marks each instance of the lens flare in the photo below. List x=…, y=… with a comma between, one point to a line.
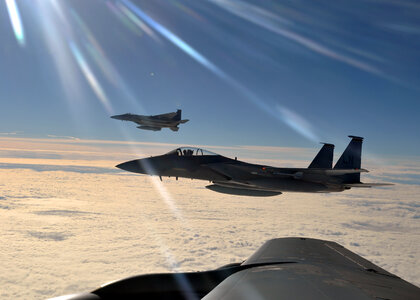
x=16, y=21
x=120, y=16
x=95, y=51
x=60, y=32
x=136, y=21
x=276, y=24
x=90, y=77
x=56, y=32
x=171, y=204
x=174, y=39
x=198, y=57
x=297, y=123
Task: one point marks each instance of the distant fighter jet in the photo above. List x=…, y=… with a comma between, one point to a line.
x=154, y=123
x=231, y=176
x=284, y=268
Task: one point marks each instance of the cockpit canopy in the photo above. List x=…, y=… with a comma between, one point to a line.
x=190, y=151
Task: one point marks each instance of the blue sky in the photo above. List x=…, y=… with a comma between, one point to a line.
x=269, y=73
x=261, y=80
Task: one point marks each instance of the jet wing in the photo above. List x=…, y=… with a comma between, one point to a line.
x=226, y=169
x=284, y=268
x=237, y=171
x=321, y=270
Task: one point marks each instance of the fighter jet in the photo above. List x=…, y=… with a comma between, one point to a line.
x=156, y=122
x=284, y=268
x=231, y=176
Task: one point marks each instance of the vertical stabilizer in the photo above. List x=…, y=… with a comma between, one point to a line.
x=324, y=158
x=177, y=117
x=351, y=159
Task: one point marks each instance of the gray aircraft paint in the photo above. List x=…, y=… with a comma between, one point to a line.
x=324, y=158
x=155, y=122
x=231, y=176
x=284, y=268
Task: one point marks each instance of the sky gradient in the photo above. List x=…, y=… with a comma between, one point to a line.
x=264, y=81
x=244, y=72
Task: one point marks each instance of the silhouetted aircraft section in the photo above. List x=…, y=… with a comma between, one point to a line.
x=324, y=158
x=231, y=176
x=284, y=268
x=156, y=122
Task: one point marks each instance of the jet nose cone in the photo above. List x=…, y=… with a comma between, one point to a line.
x=143, y=166
x=123, y=166
x=118, y=117
x=132, y=166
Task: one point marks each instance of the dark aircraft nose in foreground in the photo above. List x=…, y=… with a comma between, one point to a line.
x=135, y=166
x=143, y=166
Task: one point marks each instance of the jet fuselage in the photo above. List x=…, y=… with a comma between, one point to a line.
x=154, y=123
x=231, y=176
x=231, y=173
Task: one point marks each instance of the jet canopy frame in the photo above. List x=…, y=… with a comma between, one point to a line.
x=191, y=151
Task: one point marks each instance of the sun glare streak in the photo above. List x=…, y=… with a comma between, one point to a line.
x=258, y=16
x=16, y=22
x=90, y=77
x=94, y=49
x=174, y=39
x=181, y=279
x=61, y=41
x=171, y=204
x=159, y=186
x=188, y=11
x=139, y=23
x=120, y=16
x=167, y=198
x=297, y=123
x=194, y=54
x=54, y=30
x=98, y=55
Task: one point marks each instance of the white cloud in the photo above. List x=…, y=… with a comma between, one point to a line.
x=62, y=137
x=75, y=226
x=65, y=232
x=11, y=133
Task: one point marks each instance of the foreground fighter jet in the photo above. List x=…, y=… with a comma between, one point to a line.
x=154, y=123
x=284, y=268
x=231, y=176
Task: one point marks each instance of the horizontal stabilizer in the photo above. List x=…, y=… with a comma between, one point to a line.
x=174, y=128
x=328, y=172
x=366, y=185
x=337, y=172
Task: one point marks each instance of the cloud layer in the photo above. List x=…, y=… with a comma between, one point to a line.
x=65, y=230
